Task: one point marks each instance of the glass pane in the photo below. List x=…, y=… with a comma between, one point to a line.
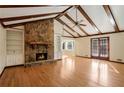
x=69, y=45
x=104, y=47
x=95, y=47
x=63, y=45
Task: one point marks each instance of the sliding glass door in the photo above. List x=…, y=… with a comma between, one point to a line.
x=100, y=48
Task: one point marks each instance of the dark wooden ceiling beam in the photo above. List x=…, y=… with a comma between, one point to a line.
x=21, y=6
x=69, y=32
x=88, y=18
x=23, y=23
x=63, y=23
x=68, y=36
x=27, y=17
x=24, y=6
x=2, y=23
x=16, y=28
x=66, y=15
x=122, y=31
x=111, y=17
x=61, y=14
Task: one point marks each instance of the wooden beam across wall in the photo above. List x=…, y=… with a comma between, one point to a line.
x=26, y=6
x=122, y=31
x=63, y=23
x=2, y=23
x=61, y=14
x=16, y=28
x=21, y=6
x=68, y=36
x=111, y=17
x=27, y=17
x=66, y=15
x=88, y=18
x=22, y=23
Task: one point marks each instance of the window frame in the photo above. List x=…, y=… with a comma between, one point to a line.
x=99, y=57
x=66, y=45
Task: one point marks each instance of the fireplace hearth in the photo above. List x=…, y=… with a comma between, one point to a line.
x=41, y=56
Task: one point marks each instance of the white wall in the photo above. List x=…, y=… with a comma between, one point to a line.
x=68, y=52
x=83, y=46
x=58, y=31
x=116, y=46
x=2, y=48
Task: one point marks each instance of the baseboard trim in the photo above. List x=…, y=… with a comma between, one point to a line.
x=116, y=62
x=83, y=57
x=9, y=67
x=2, y=72
x=14, y=66
x=100, y=59
x=58, y=59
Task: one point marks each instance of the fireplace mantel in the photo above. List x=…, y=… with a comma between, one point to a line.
x=40, y=43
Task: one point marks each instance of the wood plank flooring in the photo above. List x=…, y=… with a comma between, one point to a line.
x=70, y=72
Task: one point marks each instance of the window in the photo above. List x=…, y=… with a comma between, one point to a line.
x=68, y=45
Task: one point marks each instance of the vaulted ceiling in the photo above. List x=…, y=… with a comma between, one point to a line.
x=97, y=18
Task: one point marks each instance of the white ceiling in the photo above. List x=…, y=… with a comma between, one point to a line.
x=74, y=33
x=89, y=29
x=118, y=12
x=66, y=34
x=99, y=17
x=96, y=13
x=10, y=12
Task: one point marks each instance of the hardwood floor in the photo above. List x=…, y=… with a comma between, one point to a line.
x=71, y=71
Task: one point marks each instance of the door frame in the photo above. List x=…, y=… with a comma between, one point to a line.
x=102, y=58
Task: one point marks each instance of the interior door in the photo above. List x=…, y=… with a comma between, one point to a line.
x=100, y=48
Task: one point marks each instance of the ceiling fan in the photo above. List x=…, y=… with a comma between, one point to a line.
x=78, y=23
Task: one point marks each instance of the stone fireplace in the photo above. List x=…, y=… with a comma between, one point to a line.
x=41, y=56
x=39, y=41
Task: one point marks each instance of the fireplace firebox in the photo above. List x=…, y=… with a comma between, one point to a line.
x=41, y=56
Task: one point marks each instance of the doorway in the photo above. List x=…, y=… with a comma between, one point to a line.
x=100, y=48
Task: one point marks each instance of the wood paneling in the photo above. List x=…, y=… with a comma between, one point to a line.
x=70, y=72
x=88, y=18
x=111, y=17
